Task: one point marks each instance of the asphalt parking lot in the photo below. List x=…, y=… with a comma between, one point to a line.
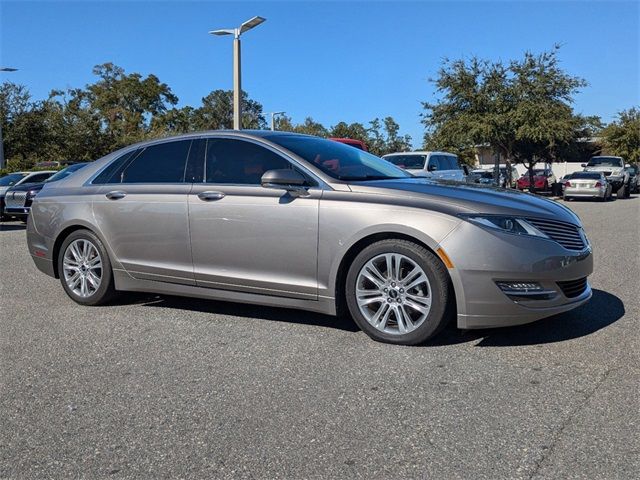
x=175, y=388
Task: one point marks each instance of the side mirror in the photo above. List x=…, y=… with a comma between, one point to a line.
x=583, y=165
x=627, y=165
x=285, y=178
x=432, y=168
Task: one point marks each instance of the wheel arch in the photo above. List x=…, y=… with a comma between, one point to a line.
x=358, y=246
x=60, y=238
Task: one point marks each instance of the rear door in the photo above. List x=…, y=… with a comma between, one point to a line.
x=141, y=208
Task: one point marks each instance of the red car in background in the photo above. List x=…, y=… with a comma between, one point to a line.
x=543, y=179
x=352, y=142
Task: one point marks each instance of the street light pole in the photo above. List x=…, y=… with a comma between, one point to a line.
x=237, y=74
x=2, y=165
x=273, y=123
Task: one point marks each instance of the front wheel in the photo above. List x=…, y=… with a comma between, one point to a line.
x=399, y=292
x=85, y=270
x=622, y=192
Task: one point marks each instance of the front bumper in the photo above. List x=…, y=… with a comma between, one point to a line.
x=17, y=211
x=501, y=257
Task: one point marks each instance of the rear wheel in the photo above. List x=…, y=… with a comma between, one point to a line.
x=399, y=292
x=85, y=269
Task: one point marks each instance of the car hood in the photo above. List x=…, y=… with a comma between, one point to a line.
x=454, y=197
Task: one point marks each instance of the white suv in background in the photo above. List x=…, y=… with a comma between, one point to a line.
x=436, y=165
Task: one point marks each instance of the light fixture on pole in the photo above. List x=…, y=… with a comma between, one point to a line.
x=273, y=115
x=2, y=165
x=237, y=82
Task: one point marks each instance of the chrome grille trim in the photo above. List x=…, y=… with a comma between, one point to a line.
x=15, y=199
x=566, y=234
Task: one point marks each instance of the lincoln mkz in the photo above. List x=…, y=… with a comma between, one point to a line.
x=296, y=221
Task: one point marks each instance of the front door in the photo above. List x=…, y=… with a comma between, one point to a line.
x=248, y=238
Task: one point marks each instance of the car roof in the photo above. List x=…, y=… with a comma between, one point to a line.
x=420, y=152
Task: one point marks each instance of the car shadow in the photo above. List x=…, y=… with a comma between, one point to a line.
x=8, y=227
x=275, y=314
x=601, y=311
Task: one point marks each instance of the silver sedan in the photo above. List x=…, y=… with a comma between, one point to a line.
x=296, y=221
x=586, y=185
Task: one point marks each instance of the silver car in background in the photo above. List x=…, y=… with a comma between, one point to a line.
x=434, y=165
x=586, y=185
x=296, y=221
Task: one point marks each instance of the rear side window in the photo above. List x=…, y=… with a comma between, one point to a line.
x=239, y=162
x=116, y=166
x=162, y=163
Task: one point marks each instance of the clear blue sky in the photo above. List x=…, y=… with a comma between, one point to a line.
x=334, y=61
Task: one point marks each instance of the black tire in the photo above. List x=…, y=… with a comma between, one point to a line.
x=442, y=298
x=106, y=291
x=622, y=192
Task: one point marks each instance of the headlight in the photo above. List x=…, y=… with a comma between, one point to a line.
x=32, y=193
x=518, y=226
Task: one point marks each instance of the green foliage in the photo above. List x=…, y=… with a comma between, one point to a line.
x=521, y=109
x=622, y=136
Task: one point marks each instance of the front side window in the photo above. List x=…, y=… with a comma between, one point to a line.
x=238, y=162
x=445, y=162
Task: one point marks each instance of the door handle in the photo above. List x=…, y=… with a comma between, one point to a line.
x=116, y=195
x=210, y=196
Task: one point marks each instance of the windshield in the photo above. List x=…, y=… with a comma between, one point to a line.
x=65, y=172
x=338, y=160
x=588, y=175
x=407, y=161
x=605, y=162
x=11, y=179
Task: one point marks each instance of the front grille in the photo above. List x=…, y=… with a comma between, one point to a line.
x=567, y=235
x=15, y=199
x=573, y=288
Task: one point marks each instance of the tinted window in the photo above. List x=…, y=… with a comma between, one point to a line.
x=114, y=168
x=239, y=162
x=589, y=175
x=407, y=161
x=37, y=178
x=163, y=163
x=338, y=160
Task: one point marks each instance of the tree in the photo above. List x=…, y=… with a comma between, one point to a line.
x=622, y=136
x=216, y=112
x=384, y=137
x=126, y=103
x=521, y=109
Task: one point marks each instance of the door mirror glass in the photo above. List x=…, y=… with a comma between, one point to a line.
x=432, y=167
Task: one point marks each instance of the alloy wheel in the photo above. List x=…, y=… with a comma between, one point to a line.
x=393, y=293
x=82, y=267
